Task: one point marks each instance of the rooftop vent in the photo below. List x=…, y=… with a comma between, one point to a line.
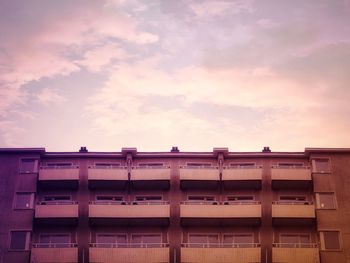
x=83, y=150
x=266, y=149
x=174, y=149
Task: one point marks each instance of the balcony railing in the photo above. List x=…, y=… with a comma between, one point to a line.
x=219, y=214
x=64, y=177
x=290, y=177
x=242, y=177
x=220, y=245
x=129, y=245
x=60, y=202
x=126, y=213
x=54, y=245
x=193, y=202
x=295, y=253
x=295, y=245
x=152, y=253
x=58, y=253
x=287, y=202
x=290, y=167
x=293, y=213
x=106, y=167
x=221, y=254
x=103, y=202
x=51, y=167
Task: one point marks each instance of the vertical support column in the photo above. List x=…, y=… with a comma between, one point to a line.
x=266, y=230
x=175, y=230
x=83, y=233
x=221, y=165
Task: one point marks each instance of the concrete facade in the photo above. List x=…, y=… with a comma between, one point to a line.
x=191, y=207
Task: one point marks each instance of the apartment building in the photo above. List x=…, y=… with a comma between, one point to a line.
x=160, y=207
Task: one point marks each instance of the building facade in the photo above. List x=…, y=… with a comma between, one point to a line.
x=160, y=207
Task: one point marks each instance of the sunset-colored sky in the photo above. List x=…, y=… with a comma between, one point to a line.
x=196, y=74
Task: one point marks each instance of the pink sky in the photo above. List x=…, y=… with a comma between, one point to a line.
x=152, y=74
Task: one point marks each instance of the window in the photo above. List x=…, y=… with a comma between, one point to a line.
x=149, y=199
x=290, y=165
x=238, y=240
x=292, y=199
x=321, y=165
x=330, y=240
x=242, y=165
x=294, y=240
x=240, y=198
x=59, y=165
x=111, y=240
x=201, y=199
x=203, y=240
x=29, y=166
x=325, y=201
x=106, y=165
x=24, y=200
x=19, y=240
x=60, y=199
x=108, y=199
x=146, y=240
x=55, y=240
x=198, y=165
x=150, y=165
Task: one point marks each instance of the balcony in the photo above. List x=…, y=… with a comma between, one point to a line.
x=199, y=177
x=150, y=178
x=129, y=253
x=107, y=177
x=57, y=213
x=58, y=253
x=228, y=214
x=249, y=177
x=293, y=213
x=295, y=253
x=134, y=214
x=220, y=253
x=293, y=177
x=63, y=177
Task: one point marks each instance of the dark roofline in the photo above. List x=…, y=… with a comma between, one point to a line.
x=214, y=153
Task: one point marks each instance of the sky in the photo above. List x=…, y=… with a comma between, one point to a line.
x=153, y=74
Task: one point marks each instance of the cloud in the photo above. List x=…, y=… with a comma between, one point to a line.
x=49, y=96
x=39, y=43
x=95, y=59
x=210, y=8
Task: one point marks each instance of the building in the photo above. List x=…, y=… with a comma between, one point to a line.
x=189, y=207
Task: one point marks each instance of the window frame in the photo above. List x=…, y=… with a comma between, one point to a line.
x=199, y=165
x=290, y=165
x=145, y=234
x=242, y=165
x=295, y=234
x=151, y=165
x=28, y=241
x=32, y=201
x=36, y=165
x=237, y=234
x=322, y=241
x=318, y=202
x=56, y=234
x=203, y=234
x=112, y=234
x=307, y=199
x=313, y=163
x=109, y=165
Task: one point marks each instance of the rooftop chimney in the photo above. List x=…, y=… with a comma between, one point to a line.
x=83, y=149
x=266, y=149
x=174, y=149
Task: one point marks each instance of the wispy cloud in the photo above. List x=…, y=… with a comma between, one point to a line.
x=195, y=73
